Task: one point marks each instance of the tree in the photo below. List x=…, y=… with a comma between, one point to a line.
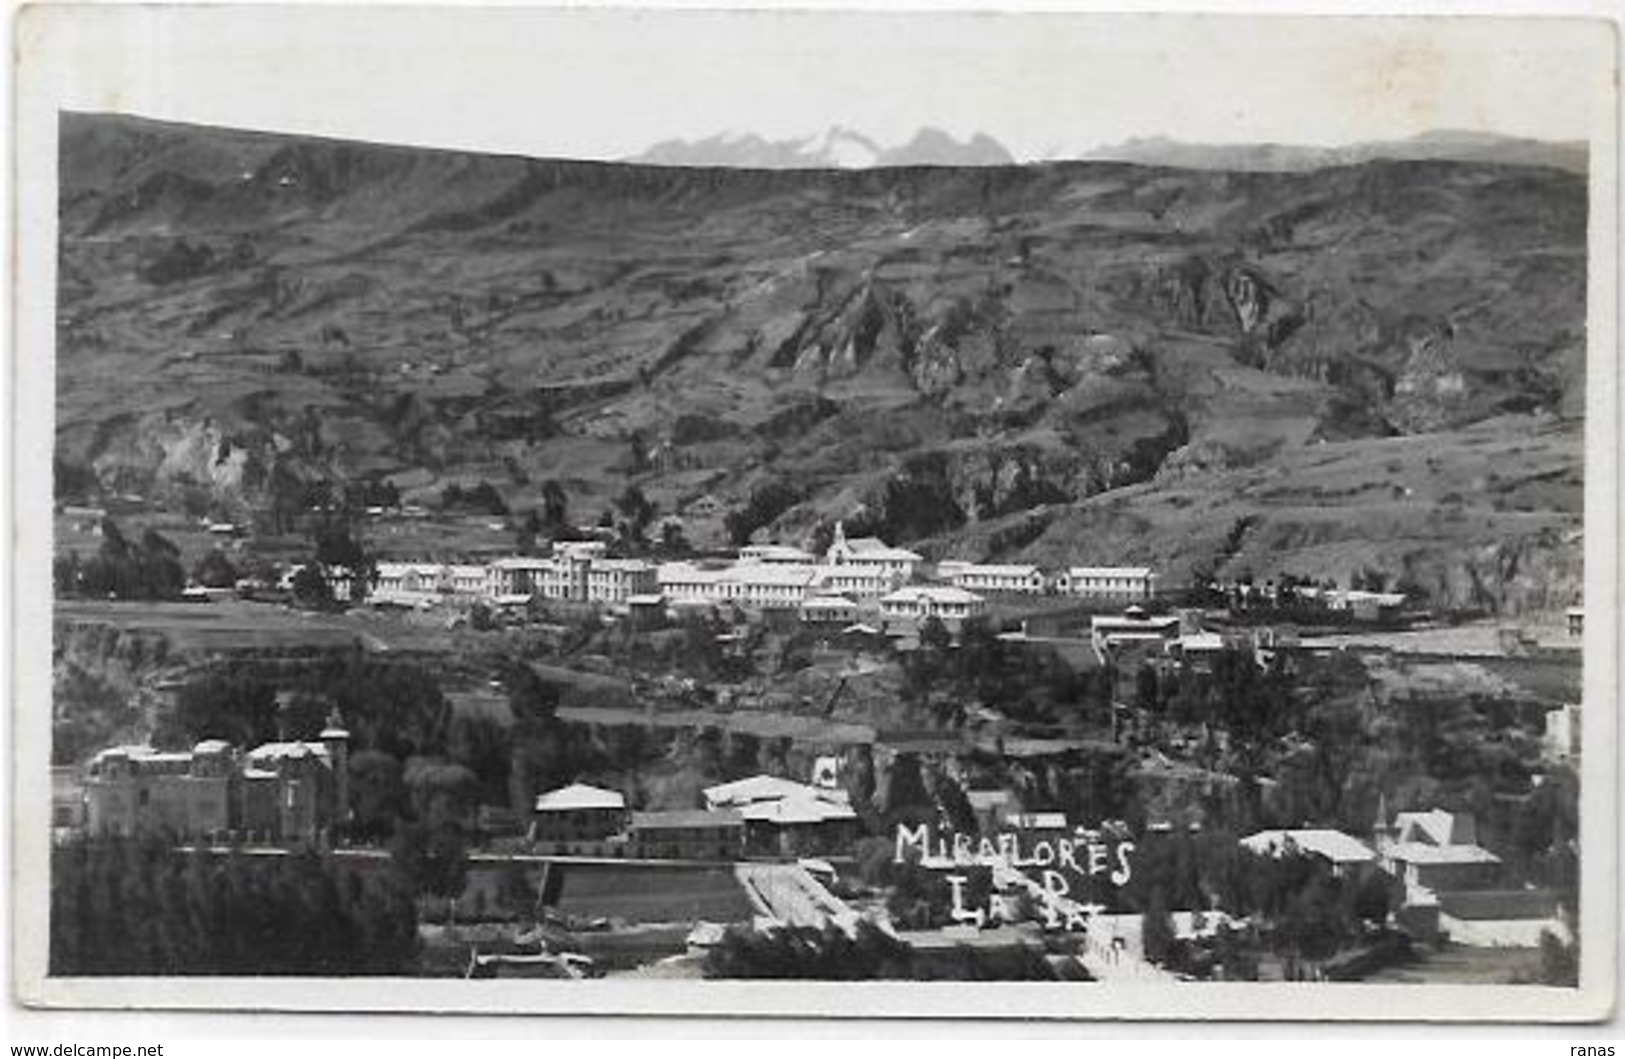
x=377, y=794
x=214, y=570
x=525, y=536
x=337, y=548
x=229, y=703
x=1373, y=898
x=672, y=541
x=555, y=507
x=432, y=857
x=636, y=514
x=311, y=588
x=1157, y=927
x=138, y=907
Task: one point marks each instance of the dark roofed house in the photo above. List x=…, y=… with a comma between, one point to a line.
x=688, y=834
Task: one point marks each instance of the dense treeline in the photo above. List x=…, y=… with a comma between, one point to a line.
x=127, y=907
x=149, y=568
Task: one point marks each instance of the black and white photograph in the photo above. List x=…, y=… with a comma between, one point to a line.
x=816, y=512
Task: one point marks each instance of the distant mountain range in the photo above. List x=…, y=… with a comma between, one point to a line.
x=1452, y=145
x=837, y=147
x=841, y=147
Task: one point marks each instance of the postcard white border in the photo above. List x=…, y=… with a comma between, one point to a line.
x=33, y=405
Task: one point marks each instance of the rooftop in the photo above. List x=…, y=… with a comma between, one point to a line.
x=762, y=788
x=579, y=796
x=873, y=548
x=1335, y=846
x=931, y=593
x=1436, y=827
x=1022, y=570
x=1109, y=571
x=1427, y=853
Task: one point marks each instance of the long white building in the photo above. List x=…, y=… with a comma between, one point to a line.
x=993, y=577
x=1118, y=584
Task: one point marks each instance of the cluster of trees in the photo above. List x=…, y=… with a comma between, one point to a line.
x=148, y=569
x=946, y=679
x=482, y=498
x=139, y=907
x=765, y=503
x=1309, y=912
x=827, y=954
x=333, y=547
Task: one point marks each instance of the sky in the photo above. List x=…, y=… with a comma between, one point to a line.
x=609, y=83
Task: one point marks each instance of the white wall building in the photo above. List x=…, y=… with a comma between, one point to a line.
x=688, y=583
x=919, y=602
x=617, y=580
x=992, y=577
x=1113, y=583
x=872, y=554
x=829, y=610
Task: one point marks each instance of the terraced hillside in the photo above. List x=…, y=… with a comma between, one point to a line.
x=1371, y=365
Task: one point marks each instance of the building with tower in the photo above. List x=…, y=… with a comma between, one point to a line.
x=282, y=792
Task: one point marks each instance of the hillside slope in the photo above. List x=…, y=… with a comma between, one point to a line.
x=979, y=358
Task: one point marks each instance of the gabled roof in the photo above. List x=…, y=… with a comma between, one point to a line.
x=762, y=788
x=1436, y=827
x=1427, y=853
x=878, y=550
x=1335, y=846
x=934, y=593
x=752, y=573
x=579, y=796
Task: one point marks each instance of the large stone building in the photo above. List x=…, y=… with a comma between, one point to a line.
x=278, y=792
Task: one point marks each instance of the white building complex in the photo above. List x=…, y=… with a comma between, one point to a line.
x=422, y=584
